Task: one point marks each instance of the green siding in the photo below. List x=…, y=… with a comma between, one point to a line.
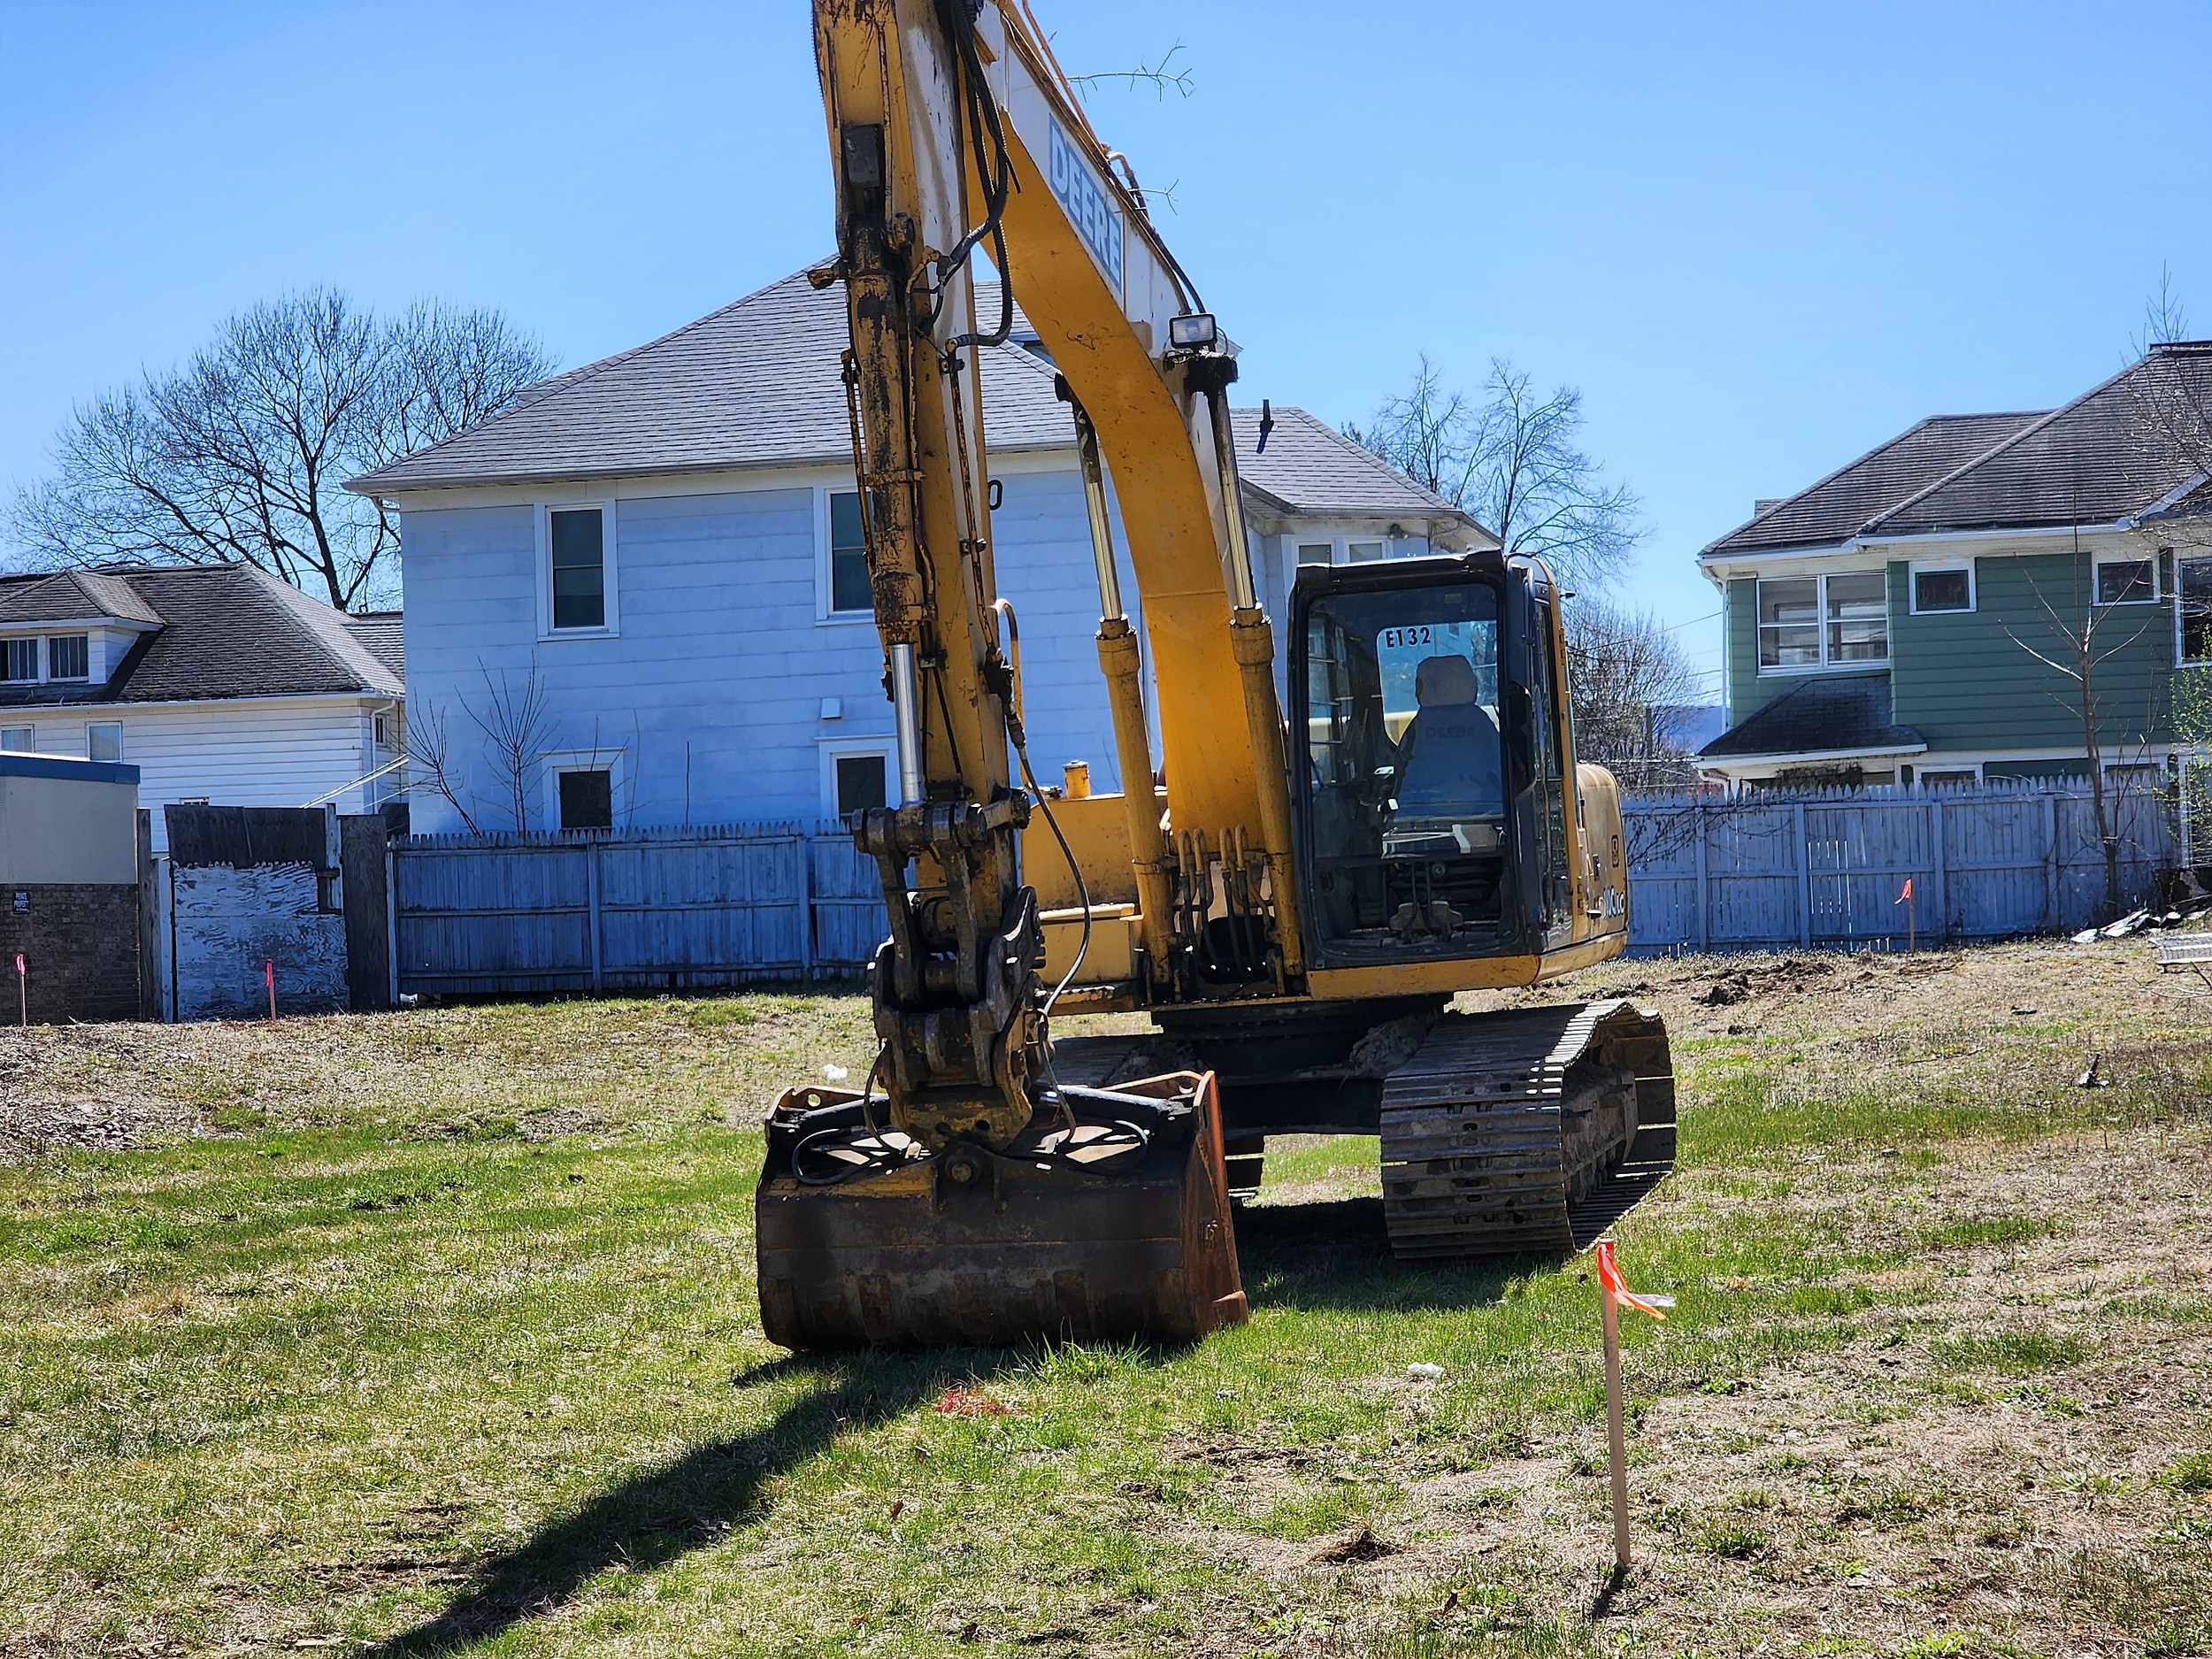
x=1967, y=682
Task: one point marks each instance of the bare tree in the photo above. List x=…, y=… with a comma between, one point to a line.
x=2080, y=636
x=241, y=455
x=1511, y=460
x=516, y=722
x=1627, y=680
x=431, y=766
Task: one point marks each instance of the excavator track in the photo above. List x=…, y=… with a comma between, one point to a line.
x=1529, y=1130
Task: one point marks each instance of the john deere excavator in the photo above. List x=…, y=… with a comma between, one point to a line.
x=1294, y=904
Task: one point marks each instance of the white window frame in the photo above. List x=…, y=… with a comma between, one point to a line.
x=101, y=725
x=38, y=658
x=1973, y=768
x=29, y=734
x=613, y=762
x=1300, y=543
x=609, y=566
x=830, y=750
x=824, y=591
x=52, y=640
x=1827, y=665
x=2178, y=595
x=1940, y=567
x=2096, y=578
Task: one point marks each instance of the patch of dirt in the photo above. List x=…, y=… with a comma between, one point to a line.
x=1362, y=1546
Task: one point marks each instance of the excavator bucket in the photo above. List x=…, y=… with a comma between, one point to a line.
x=1106, y=1220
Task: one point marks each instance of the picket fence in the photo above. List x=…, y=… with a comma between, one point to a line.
x=699, y=907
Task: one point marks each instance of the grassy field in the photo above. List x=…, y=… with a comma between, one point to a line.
x=436, y=1330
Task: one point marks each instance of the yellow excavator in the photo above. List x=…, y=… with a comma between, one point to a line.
x=1293, y=903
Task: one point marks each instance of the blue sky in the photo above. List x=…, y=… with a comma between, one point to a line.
x=1760, y=239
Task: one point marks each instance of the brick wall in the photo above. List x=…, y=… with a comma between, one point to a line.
x=80, y=944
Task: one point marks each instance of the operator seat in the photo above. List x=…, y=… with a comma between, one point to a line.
x=1449, y=762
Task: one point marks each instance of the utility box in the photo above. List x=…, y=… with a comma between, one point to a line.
x=69, y=888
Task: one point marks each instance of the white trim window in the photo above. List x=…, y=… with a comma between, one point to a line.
x=841, y=576
x=103, y=741
x=69, y=656
x=858, y=773
x=1808, y=623
x=1948, y=777
x=576, y=570
x=583, y=789
x=18, y=660
x=1316, y=552
x=2126, y=580
x=18, y=740
x=1942, y=588
x=2192, y=610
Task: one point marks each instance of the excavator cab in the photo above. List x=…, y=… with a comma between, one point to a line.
x=1432, y=797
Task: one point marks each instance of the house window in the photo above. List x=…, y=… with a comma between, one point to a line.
x=1939, y=588
x=577, y=537
x=2129, y=581
x=849, y=590
x=585, y=799
x=1815, y=621
x=1960, y=777
x=19, y=659
x=103, y=741
x=18, y=740
x=1365, y=552
x=68, y=656
x=861, y=781
x=1316, y=552
x=2194, y=601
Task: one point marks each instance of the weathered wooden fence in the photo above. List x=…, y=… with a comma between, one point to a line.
x=1826, y=870
x=701, y=907
x=650, y=909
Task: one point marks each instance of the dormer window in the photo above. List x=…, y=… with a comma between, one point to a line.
x=19, y=659
x=68, y=656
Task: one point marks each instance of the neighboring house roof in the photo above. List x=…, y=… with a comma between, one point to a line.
x=224, y=631
x=1827, y=717
x=1310, y=467
x=2101, y=458
x=2109, y=455
x=757, y=383
x=1835, y=509
x=381, y=632
x=72, y=596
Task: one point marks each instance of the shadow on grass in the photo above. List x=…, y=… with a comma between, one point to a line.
x=1335, y=1255
x=659, y=1515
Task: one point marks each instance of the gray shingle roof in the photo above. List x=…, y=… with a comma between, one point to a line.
x=382, y=631
x=1836, y=508
x=226, y=631
x=1820, y=716
x=2099, y=459
x=1310, y=467
x=753, y=384
x=756, y=383
x=72, y=596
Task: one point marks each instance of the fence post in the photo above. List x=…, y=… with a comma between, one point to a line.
x=591, y=889
x=805, y=844
x=1940, y=881
x=1804, y=881
x=1704, y=900
x=2054, y=917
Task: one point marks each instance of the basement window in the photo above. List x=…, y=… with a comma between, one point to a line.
x=862, y=783
x=2129, y=581
x=69, y=656
x=587, y=799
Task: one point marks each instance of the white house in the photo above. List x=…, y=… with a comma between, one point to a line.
x=638, y=596
x=219, y=683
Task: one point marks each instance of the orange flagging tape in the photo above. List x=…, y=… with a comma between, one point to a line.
x=1609, y=1276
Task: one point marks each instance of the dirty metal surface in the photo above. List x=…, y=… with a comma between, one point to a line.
x=1118, y=1230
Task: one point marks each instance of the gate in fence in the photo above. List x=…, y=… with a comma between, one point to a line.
x=1827, y=870
x=697, y=908
x=656, y=910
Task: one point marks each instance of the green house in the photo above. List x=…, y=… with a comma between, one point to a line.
x=1928, y=613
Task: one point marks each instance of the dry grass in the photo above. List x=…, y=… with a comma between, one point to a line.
x=436, y=1330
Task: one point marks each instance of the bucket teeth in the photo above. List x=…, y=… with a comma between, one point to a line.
x=1114, y=1228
